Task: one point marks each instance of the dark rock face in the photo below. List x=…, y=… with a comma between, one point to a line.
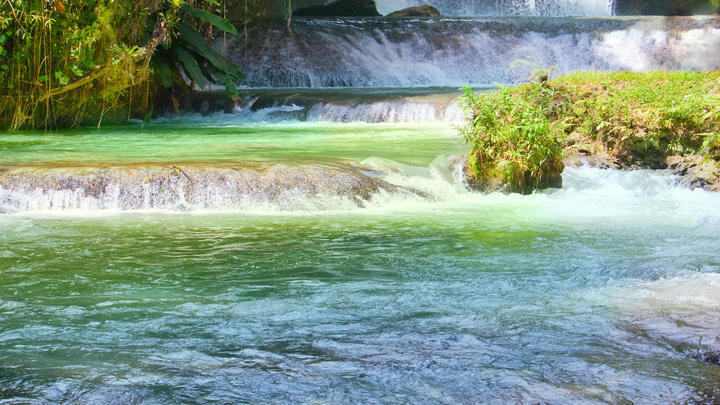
x=664, y=7
x=341, y=8
x=419, y=11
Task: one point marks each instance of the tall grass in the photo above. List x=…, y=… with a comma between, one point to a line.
x=70, y=62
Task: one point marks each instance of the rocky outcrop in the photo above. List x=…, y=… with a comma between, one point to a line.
x=340, y=8
x=419, y=11
x=693, y=171
x=258, y=187
x=590, y=156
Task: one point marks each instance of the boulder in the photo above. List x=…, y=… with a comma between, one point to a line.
x=589, y=156
x=419, y=11
x=340, y=8
x=696, y=172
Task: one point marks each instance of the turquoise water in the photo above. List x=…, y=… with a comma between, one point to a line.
x=596, y=293
x=204, y=142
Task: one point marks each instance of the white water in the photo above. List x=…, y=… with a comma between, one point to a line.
x=392, y=111
x=456, y=53
x=375, y=112
x=474, y=8
x=600, y=197
x=683, y=306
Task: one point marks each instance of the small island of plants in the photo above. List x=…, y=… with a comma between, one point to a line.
x=520, y=135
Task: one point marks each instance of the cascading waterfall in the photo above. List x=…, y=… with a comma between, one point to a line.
x=460, y=8
x=457, y=52
x=319, y=243
x=385, y=105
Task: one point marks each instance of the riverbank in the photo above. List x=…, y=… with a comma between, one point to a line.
x=623, y=120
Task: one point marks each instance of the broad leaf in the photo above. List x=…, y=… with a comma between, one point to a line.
x=217, y=21
x=197, y=43
x=191, y=66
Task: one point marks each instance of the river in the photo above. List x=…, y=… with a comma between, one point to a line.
x=319, y=246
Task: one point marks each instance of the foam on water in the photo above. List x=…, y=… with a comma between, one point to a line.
x=506, y=7
x=377, y=185
x=394, y=105
x=682, y=307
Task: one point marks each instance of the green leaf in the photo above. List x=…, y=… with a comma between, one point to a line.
x=217, y=21
x=190, y=66
x=60, y=76
x=196, y=41
x=77, y=71
x=163, y=71
x=228, y=83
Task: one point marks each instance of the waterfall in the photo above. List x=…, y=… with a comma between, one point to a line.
x=456, y=52
x=474, y=8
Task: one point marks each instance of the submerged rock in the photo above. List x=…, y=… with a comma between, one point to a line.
x=341, y=8
x=269, y=187
x=419, y=11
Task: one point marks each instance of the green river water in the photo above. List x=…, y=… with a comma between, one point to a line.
x=595, y=293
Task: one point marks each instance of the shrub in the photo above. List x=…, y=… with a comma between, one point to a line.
x=518, y=134
x=513, y=146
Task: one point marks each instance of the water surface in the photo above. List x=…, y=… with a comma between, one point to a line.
x=596, y=293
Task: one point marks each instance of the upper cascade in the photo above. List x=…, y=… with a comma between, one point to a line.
x=454, y=52
x=477, y=8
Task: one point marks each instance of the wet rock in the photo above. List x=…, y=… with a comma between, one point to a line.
x=712, y=356
x=551, y=177
x=275, y=187
x=665, y=7
x=695, y=172
x=341, y=8
x=587, y=157
x=419, y=11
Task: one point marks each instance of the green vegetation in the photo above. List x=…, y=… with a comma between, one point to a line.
x=638, y=119
x=66, y=62
x=513, y=146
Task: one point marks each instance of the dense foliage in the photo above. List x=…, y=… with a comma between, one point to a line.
x=63, y=62
x=637, y=118
x=512, y=141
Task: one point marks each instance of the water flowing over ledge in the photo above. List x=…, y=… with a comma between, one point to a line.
x=374, y=185
x=266, y=188
x=346, y=52
x=460, y=8
x=361, y=105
